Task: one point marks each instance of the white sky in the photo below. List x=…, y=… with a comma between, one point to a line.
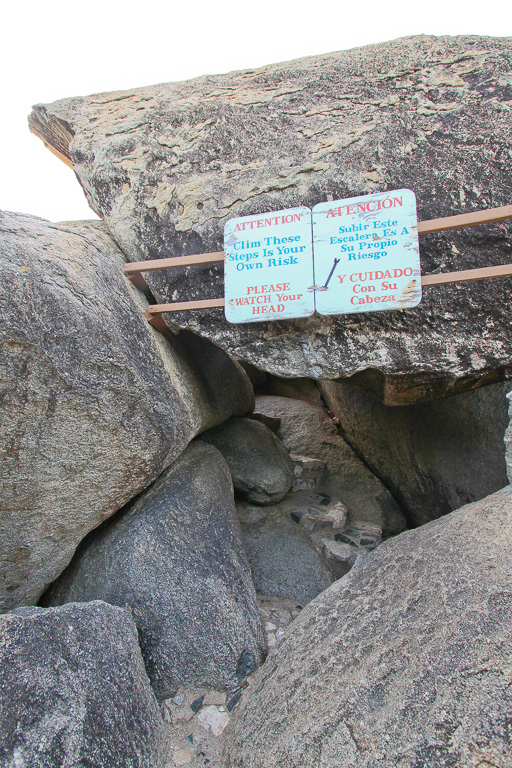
x=52, y=50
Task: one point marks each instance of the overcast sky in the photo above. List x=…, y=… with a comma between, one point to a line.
x=57, y=49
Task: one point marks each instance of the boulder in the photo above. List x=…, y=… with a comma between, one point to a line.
x=166, y=166
x=298, y=547
x=403, y=662
x=298, y=389
x=308, y=430
x=94, y=403
x=433, y=456
x=283, y=563
x=259, y=463
x=508, y=440
x=268, y=421
x=74, y=691
x=174, y=558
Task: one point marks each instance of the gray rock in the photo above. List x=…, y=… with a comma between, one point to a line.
x=298, y=389
x=508, y=440
x=176, y=561
x=256, y=376
x=74, y=691
x=268, y=421
x=298, y=547
x=341, y=549
x=283, y=563
x=259, y=463
x=403, y=662
x=433, y=456
x=166, y=166
x=315, y=512
x=308, y=430
x=94, y=403
x=323, y=520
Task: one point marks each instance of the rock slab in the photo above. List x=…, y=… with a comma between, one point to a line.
x=260, y=465
x=508, y=440
x=283, y=563
x=166, y=166
x=94, y=403
x=433, y=456
x=74, y=691
x=403, y=662
x=176, y=561
x=307, y=429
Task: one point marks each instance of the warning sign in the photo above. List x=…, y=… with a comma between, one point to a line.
x=366, y=253
x=268, y=268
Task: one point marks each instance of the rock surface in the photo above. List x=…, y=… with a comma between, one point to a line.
x=94, y=403
x=404, y=662
x=175, y=559
x=435, y=456
x=190, y=712
x=508, y=440
x=283, y=563
x=298, y=547
x=306, y=429
x=74, y=691
x=259, y=463
x=297, y=389
x=308, y=473
x=165, y=167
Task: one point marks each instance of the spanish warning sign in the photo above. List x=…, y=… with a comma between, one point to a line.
x=366, y=253
x=268, y=267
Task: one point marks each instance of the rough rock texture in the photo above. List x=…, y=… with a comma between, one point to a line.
x=404, y=662
x=508, y=440
x=308, y=473
x=259, y=463
x=298, y=389
x=176, y=560
x=74, y=691
x=165, y=167
x=94, y=403
x=435, y=456
x=323, y=521
x=306, y=429
x=283, y=563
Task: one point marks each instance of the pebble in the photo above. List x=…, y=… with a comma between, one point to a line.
x=197, y=704
x=166, y=715
x=213, y=719
x=178, y=700
x=234, y=701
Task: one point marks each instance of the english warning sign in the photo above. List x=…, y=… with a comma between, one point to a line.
x=268, y=267
x=367, y=251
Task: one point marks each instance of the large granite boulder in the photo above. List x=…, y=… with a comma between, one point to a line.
x=259, y=463
x=307, y=429
x=403, y=662
x=94, y=403
x=508, y=440
x=74, y=691
x=283, y=563
x=166, y=166
x=176, y=561
x=434, y=456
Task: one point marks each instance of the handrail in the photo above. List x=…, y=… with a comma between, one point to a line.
x=154, y=312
